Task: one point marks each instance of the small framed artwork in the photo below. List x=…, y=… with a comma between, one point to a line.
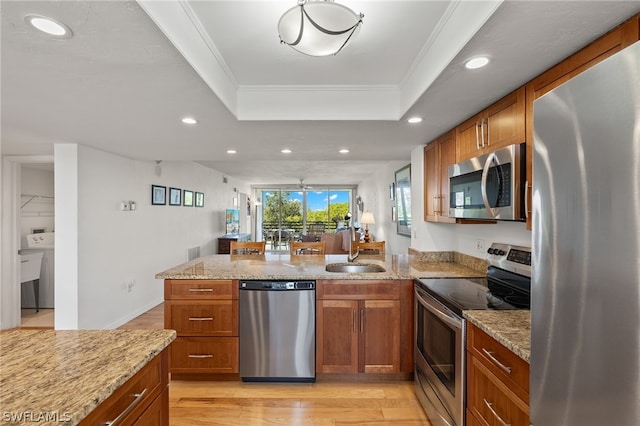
x=199, y=199
x=175, y=197
x=392, y=191
x=158, y=195
x=187, y=198
x=394, y=216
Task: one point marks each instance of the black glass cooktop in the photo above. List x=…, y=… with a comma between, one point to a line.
x=460, y=294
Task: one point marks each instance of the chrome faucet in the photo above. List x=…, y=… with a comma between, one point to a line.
x=352, y=257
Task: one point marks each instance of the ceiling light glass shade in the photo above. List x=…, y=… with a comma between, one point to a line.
x=319, y=28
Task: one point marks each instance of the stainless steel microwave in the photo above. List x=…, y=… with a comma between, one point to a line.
x=490, y=186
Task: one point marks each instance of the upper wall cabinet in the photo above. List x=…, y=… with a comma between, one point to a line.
x=438, y=156
x=502, y=124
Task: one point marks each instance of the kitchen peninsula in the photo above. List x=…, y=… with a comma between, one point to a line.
x=364, y=321
x=78, y=377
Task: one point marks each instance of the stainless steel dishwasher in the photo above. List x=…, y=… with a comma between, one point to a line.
x=277, y=330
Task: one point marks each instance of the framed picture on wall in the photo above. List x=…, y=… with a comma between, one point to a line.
x=175, y=197
x=158, y=195
x=403, y=200
x=187, y=198
x=199, y=199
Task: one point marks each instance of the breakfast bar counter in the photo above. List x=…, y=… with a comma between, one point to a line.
x=59, y=377
x=284, y=266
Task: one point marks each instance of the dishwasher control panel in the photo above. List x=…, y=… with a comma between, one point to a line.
x=277, y=285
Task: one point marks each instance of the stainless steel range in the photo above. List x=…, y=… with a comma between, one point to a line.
x=441, y=329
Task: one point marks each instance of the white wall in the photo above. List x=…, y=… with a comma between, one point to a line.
x=375, y=194
x=105, y=249
x=428, y=236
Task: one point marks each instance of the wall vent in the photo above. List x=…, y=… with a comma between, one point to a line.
x=193, y=253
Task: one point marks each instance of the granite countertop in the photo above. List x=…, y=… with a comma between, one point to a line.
x=284, y=266
x=51, y=377
x=510, y=328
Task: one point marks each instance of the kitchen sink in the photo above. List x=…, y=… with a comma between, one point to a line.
x=354, y=268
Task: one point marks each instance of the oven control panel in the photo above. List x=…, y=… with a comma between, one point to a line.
x=510, y=257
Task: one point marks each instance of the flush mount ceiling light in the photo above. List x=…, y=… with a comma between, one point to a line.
x=286, y=151
x=232, y=151
x=189, y=120
x=319, y=27
x=414, y=120
x=475, y=63
x=344, y=151
x=48, y=25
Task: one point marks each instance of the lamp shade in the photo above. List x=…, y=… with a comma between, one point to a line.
x=367, y=218
x=318, y=28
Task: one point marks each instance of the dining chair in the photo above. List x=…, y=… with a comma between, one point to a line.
x=307, y=248
x=247, y=247
x=372, y=247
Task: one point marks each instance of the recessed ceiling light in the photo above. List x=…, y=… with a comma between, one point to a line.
x=286, y=151
x=232, y=151
x=344, y=151
x=189, y=120
x=49, y=25
x=475, y=63
x=414, y=120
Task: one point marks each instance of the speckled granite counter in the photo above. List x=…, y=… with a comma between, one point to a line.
x=58, y=377
x=510, y=328
x=284, y=266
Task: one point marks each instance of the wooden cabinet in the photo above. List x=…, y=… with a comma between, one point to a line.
x=500, y=125
x=614, y=41
x=438, y=156
x=224, y=242
x=364, y=327
x=497, y=382
x=142, y=400
x=204, y=313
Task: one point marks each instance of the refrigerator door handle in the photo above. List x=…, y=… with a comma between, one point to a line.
x=483, y=183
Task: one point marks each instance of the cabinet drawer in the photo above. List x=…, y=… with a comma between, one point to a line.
x=490, y=400
x=506, y=365
x=204, y=355
x=355, y=289
x=158, y=412
x=200, y=289
x=129, y=401
x=203, y=318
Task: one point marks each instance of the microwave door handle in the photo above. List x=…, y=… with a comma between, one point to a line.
x=483, y=183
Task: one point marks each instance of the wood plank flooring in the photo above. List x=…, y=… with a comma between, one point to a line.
x=199, y=403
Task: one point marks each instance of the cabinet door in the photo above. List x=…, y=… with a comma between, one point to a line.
x=379, y=336
x=337, y=336
x=447, y=157
x=468, y=138
x=505, y=122
x=431, y=183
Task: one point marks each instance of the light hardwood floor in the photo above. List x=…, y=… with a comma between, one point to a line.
x=260, y=404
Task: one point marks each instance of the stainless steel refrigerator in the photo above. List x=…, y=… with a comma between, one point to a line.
x=585, y=309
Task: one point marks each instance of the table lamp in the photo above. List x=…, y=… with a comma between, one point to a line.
x=367, y=219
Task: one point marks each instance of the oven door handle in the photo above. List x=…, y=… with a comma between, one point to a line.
x=483, y=183
x=432, y=306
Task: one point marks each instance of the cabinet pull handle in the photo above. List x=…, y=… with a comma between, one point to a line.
x=361, y=321
x=355, y=321
x=490, y=407
x=477, y=136
x=201, y=290
x=526, y=199
x=200, y=356
x=482, y=131
x=138, y=397
x=435, y=204
x=496, y=362
x=488, y=134
x=200, y=318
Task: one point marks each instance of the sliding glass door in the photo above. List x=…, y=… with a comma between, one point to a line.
x=290, y=214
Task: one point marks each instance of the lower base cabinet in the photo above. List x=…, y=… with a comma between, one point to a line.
x=497, y=383
x=364, y=327
x=143, y=400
